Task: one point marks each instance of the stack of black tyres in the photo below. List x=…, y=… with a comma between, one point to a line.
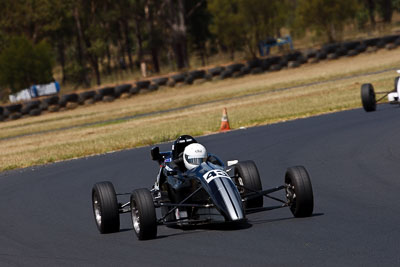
x=51, y=103
x=68, y=98
x=105, y=94
x=122, y=89
x=86, y=97
x=254, y=66
x=32, y=108
x=14, y=111
x=216, y=71
x=143, y=84
x=194, y=75
x=2, y=118
x=160, y=81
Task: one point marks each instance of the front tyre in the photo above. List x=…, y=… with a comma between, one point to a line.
x=246, y=175
x=299, y=191
x=368, y=97
x=143, y=214
x=105, y=207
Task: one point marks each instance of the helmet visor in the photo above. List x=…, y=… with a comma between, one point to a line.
x=194, y=161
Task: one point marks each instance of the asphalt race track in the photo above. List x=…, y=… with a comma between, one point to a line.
x=353, y=157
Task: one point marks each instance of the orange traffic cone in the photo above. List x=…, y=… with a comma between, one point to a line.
x=224, y=121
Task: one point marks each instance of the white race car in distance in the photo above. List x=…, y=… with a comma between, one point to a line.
x=368, y=97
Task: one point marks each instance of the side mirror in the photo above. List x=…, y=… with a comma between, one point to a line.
x=232, y=162
x=155, y=153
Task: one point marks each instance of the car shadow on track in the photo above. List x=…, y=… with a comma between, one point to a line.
x=189, y=230
x=282, y=219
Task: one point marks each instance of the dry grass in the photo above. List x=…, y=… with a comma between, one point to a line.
x=258, y=105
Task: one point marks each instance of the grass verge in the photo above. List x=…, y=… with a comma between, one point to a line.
x=251, y=100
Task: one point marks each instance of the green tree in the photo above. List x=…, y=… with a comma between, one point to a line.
x=23, y=64
x=261, y=19
x=227, y=24
x=325, y=17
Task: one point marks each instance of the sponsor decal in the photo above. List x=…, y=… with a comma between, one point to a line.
x=211, y=175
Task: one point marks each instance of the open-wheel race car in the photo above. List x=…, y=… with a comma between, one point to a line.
x=368, y=95
x=194, y=187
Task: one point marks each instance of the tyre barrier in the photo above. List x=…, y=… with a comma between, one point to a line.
x=330, y=48
x=35, y=112
x=216, y=71
x=153, y=87
x=293, y=56
x=13, y=108
x=82, y=97
x=245, y=70
x=352, y=53
x=341, y=51
x=121, y=89
x=134, y=90
x=177, y=78
x=208, y=77
x=171, y=83
x=15, y=115
x=52, y=100
x=97, y=97
x=276, y=67
x=371, y=41
x=332, y=56
x=256, y=71
x=189, y=79
x=26, y=108
x=254, y=63
x=351, y=45
x=227, y=73
x=43, y=106
x=68, y=98
x=106, y=91
x=310, y=53
x=361, y=48
x=160, y=81
x=108, y=98
x=197, y=74
x=293, y=64
x=53, y=108
x=235, y=67
x=143, y=84
x=253, y=66
x=390, y=46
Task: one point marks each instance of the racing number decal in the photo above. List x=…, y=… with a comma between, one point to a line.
x=211, y=175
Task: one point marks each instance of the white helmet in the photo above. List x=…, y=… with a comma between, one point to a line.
x=194, y=155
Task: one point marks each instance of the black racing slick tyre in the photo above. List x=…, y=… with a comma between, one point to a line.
x=143, y=214
x=248, y=180
x=299, y=191
x=368, y=97
x=105, y=207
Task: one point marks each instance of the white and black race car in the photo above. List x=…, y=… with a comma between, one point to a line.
x=368, y=95
x=208, y=193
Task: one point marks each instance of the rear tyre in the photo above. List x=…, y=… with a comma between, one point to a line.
x=105, y=207
x=368, y=97
x=299, y=191
x=246, y=175
x=143, y=214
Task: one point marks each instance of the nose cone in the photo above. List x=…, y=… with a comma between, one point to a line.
x=227, y=198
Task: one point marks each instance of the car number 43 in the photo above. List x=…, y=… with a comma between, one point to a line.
x=211, y=175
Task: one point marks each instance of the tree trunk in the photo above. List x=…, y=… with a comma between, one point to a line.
x=387, y=10
x=149, y=11
x=371, y=11
x=61, y=58
x=128, y=43
x=81, y=52
x=139, y=40
x=179, y=39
